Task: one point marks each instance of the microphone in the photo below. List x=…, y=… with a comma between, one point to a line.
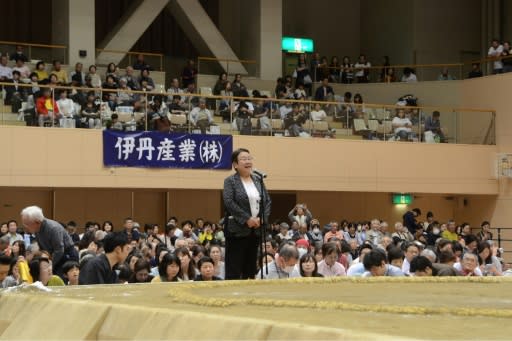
x=259, y=174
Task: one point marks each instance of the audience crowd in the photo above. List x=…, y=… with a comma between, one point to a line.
x=299, y=246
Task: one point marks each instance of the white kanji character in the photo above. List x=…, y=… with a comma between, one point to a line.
x=165, y=150
x=210, y=152
x=187, y=150
x=124, y=146
x=146, y=145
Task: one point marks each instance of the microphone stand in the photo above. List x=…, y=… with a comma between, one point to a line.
x=261, y=215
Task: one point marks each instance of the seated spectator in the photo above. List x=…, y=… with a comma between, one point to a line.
x=284, y=233
x=362, y=68
x=239, y=88
x=99, y=270
x=62, y=75
x=19, y=54
x=284, y=265
x=145, y=81
x=112, y=70
x=109, y=95
x=395, y=256
x=300, y=92
x=215, y=253
x=401, y=233
x=433, y=124
x=322, y=69
x=485, y=233
x=243, y=119
x=468, y=266
x=285, y=109
x=308, y=266
x=169, y=269
x=188, y=268
x=262, y=111
x=411, y=250
x=329, y=266
x=422, y=266
x=375, y=265
x=374, y=235
x=489, y=264
x=141, y=272
x=23, y=69
x=325, y=91
x=46, y=108
x=347, y=71
x=201, y=117
x=206, y=270
x=90, y=115
x=15, y=94
x=67, y=107
x=41, y=271
x=5, y=265
x=5, y=70
x=450, y=233
x=445, y=75
x=300, y=214
x=95, y=79
x=78, y=76
x=40, y=70
x=402, y=125
x=71, y=272
x=318, y=114
x=334, y=70
x=294, y=120
x=409, y=76
x=175, y=89
x=333, y=232
x=475, y=71
x=140, y=63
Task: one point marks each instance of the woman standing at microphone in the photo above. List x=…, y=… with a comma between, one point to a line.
x=244, y=196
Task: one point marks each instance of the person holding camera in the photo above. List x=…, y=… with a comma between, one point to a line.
x=300, y=214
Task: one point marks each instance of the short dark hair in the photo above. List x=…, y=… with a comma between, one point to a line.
x=203, y=260
x=374, y=258
x=234, y=155
x=34, y=266
x=395, y=253
x=420, y=263
x=417, y=210
x=70, y=264
x=434, y=114
x=446, y=256
x=113, y=240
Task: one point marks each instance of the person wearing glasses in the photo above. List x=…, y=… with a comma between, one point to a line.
x=244, y=196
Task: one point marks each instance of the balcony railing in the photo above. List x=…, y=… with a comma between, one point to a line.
x=264, y=116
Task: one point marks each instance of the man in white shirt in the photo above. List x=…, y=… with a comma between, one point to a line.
x=5, y=71
x=362, y=66
x=402, y=125
x=495, y=52
x=201, y=117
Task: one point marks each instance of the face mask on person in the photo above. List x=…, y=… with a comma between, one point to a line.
x=302, y=252
x=436, y=231
x=288, y=269
x=316, y=230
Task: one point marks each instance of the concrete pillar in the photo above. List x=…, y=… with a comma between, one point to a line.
x=73, y=26
x=271, y=32
x=82, y=34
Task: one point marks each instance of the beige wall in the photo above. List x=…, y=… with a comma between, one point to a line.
x=73, y=158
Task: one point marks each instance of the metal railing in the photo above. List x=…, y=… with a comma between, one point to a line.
x=216, y=66
x=37, y=51
x=150, y=58
x=267, y=116
x=397, y=73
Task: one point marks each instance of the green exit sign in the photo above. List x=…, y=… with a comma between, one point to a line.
x=297, y=45
x=402, y=198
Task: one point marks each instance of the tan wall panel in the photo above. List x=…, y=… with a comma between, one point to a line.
x=13, y=200
x=149, y=207
x=192, y=204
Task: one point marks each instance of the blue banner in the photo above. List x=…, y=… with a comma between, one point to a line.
x=164, y=150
